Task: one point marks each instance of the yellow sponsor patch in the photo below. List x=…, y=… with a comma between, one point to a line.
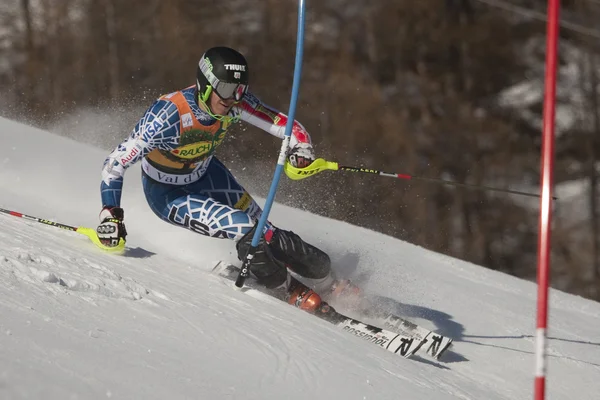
x=244, y=202
x=193, y=150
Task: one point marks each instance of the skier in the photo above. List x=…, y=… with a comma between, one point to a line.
x=186, y=185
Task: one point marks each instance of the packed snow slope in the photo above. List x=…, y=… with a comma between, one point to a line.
x=76, y=323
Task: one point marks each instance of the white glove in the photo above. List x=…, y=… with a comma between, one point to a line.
x=301, y=155
x=111, y=227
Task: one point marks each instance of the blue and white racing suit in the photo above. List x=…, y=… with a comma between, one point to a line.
x=184, y=183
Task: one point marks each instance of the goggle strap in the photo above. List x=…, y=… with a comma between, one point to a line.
x=206, y=93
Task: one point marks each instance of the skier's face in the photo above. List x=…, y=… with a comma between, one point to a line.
x=218, y=105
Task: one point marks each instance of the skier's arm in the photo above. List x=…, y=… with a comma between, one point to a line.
x=156, y=129
x=255, y=112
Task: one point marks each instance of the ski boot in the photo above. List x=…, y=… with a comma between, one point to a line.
x=279, y=250
x=303, y=297
x=313, y=265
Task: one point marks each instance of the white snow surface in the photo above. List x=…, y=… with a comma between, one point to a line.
x=77, y=323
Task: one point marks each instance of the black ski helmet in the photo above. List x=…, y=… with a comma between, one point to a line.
x=223, y=70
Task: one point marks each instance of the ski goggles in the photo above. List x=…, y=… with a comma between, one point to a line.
x=225, y=90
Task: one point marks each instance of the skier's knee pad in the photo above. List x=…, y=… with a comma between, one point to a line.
x=263, y=266
x=300, y=257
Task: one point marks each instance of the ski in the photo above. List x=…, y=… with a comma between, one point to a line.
x=435, y=344
x=398, y=335
x=397, y=343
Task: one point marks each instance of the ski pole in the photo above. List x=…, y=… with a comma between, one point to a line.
x=320, y=165
x=245, y=270
x=89, y=232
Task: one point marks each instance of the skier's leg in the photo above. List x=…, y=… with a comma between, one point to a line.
x=285, y=247
x=288, y=250
x=216, y=206
x=304, y=259
x=313, y=265
x=195, y=211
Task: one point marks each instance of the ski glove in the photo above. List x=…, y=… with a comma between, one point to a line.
x=111, y=227
x=301, y=155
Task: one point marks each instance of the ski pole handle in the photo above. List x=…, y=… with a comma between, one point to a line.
x=89, y=232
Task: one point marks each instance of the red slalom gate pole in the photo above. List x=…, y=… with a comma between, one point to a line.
x=547, y=166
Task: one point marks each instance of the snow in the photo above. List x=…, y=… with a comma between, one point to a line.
x=77, y=323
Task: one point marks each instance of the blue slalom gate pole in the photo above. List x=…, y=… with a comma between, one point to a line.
x=245, y=270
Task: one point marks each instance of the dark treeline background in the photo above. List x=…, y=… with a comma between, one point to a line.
x=448, y=89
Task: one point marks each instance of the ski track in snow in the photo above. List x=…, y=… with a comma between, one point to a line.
x=57, y=272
